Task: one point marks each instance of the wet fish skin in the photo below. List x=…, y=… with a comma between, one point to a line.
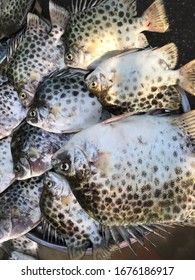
x=22, y=245
x=62, y=104
x=13, y=15
x=6, y=163
x=136, y=171
x=142, y=80
x=40, y=52
x=61, y=209
x=19, y=208
x=32, y=149
x=108, y=26
x=12, y=113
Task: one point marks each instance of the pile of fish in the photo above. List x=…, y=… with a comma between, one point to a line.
x=93, y=146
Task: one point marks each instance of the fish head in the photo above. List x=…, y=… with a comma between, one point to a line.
x=72, y=163
x=27, y=86
x=22, y=169
x=77, y=57
x=97, y=82
x=38, y=114
x=56, y=185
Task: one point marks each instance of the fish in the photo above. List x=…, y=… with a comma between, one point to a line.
x=32, y=149
x=62, y=104
x=22, y=247
x=138, y=170
x=62, y=211
x=12, y=112
x=13, y=15
x=6, y=162
x=142, y=80
x=15, y=255
x=19, y=208
x=40, y=52
x=96, y=29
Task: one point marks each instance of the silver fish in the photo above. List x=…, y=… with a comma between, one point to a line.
x=97, y=28
x=62, y=104
x=61, y=209
x=6, y=162
x=32, y=149
x=13, y=15
x=40, y=52
x=140, y=81
x=135, y=171
x=19, y=208
x=12, y=113
x=22, y=247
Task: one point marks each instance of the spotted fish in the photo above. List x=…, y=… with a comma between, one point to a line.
x=6, y=163
x=40, y=52
x=20, y=248
x=135, y=171
x=61, y=209
x=32, y=149
x=142, y=80
x=13, y=15
x=12, y=112
x=19, y=208
x=95, y=31
x=63, y=104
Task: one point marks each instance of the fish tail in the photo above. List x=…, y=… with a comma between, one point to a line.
x=187, y=77
x=101, y=251
x=58, y=15
x=77, y=252
x=155, y=18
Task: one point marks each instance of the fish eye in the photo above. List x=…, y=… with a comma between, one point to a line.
x=32, y=113
x=17, y=168
x=48, y=183
x=64, y=166
x=69, y=57
x=22, y=95
x=94, y=84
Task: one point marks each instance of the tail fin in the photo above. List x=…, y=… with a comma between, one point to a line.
x=77, y=252
x=58, y=15
x=101, y=252
x=187, y=77
x=155, y=17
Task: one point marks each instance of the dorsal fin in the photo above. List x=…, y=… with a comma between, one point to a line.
x=35, y=22
x=168, y=53
x=67, y=72
x=13, y=43
x=58, y=15
x=186, y=122
x=78, y=6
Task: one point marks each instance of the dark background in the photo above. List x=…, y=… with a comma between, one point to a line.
x=180, y=244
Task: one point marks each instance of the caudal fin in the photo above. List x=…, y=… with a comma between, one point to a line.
x=155, y=17
x=187, y=77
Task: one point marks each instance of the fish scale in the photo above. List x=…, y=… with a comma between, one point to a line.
x=32, y=149
x=62, y=104
x=6, y=163
x=13, y=15
x=62, y=211
x=135, y=171
x=112, y=25
x=141, y=80
x=19, y=208
x=12, y=112
x=40, y=52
